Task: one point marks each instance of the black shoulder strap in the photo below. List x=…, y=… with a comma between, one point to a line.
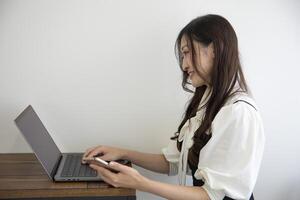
x=246, y=103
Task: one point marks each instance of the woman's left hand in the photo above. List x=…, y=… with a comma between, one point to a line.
x=126, y=177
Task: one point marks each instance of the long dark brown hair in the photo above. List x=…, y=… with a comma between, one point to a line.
x=225, y=75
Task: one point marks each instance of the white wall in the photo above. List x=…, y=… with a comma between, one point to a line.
x=104, y=72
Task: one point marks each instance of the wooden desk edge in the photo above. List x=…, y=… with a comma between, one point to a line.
x=10, y=193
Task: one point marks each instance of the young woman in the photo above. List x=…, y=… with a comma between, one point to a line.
x=220, y=140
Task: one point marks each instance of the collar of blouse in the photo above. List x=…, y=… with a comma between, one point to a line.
x=186, y=135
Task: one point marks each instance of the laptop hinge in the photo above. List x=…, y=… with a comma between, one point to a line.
x=56, y=167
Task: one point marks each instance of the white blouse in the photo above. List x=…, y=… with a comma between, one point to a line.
x=229, y=163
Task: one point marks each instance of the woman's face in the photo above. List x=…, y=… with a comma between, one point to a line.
x=204, y=62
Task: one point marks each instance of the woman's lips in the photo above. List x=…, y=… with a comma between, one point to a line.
x=190, y=74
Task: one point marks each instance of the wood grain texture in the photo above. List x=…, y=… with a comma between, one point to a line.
x=22, y=176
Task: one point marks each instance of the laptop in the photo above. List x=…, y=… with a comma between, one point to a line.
x=59, y=166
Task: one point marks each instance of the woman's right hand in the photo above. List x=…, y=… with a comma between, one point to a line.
x=104, y=152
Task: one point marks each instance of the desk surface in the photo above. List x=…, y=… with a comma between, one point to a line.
x=22, y=176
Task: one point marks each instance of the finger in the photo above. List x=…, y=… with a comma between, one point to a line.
x=87, y=152
x=105, y=157
x=119, y=167
x=85, y=155
x=100, y=169
x=104, y=172
x=92, y=154
x=107, y=180
x=101, y=175
x=98, y=151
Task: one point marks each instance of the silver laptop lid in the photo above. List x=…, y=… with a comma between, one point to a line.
x=39, y=139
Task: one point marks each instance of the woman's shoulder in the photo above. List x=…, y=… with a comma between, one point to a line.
x=238, y=118
x=240, y=105
x=241, y=100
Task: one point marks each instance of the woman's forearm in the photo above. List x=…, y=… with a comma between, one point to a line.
x=174, y=192
x=153, y=162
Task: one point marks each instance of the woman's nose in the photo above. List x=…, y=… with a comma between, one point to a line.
x=184, y=67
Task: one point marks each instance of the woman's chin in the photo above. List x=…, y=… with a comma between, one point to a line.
x=198, y=84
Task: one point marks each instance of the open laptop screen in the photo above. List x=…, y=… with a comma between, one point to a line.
x=39, y=139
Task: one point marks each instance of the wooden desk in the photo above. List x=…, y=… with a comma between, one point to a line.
x=22, y=177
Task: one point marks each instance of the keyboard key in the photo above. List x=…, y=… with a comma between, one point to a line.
x=74, y=168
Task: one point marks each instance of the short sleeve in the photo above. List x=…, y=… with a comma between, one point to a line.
x=229, y=163
x=172, y=154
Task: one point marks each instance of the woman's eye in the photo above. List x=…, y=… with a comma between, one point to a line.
x=184, y=54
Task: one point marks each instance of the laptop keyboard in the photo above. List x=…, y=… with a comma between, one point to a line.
x=74, y=168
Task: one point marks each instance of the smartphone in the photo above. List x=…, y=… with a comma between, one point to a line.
x=101, y=162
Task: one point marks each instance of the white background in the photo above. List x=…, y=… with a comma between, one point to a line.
x=104, y=72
